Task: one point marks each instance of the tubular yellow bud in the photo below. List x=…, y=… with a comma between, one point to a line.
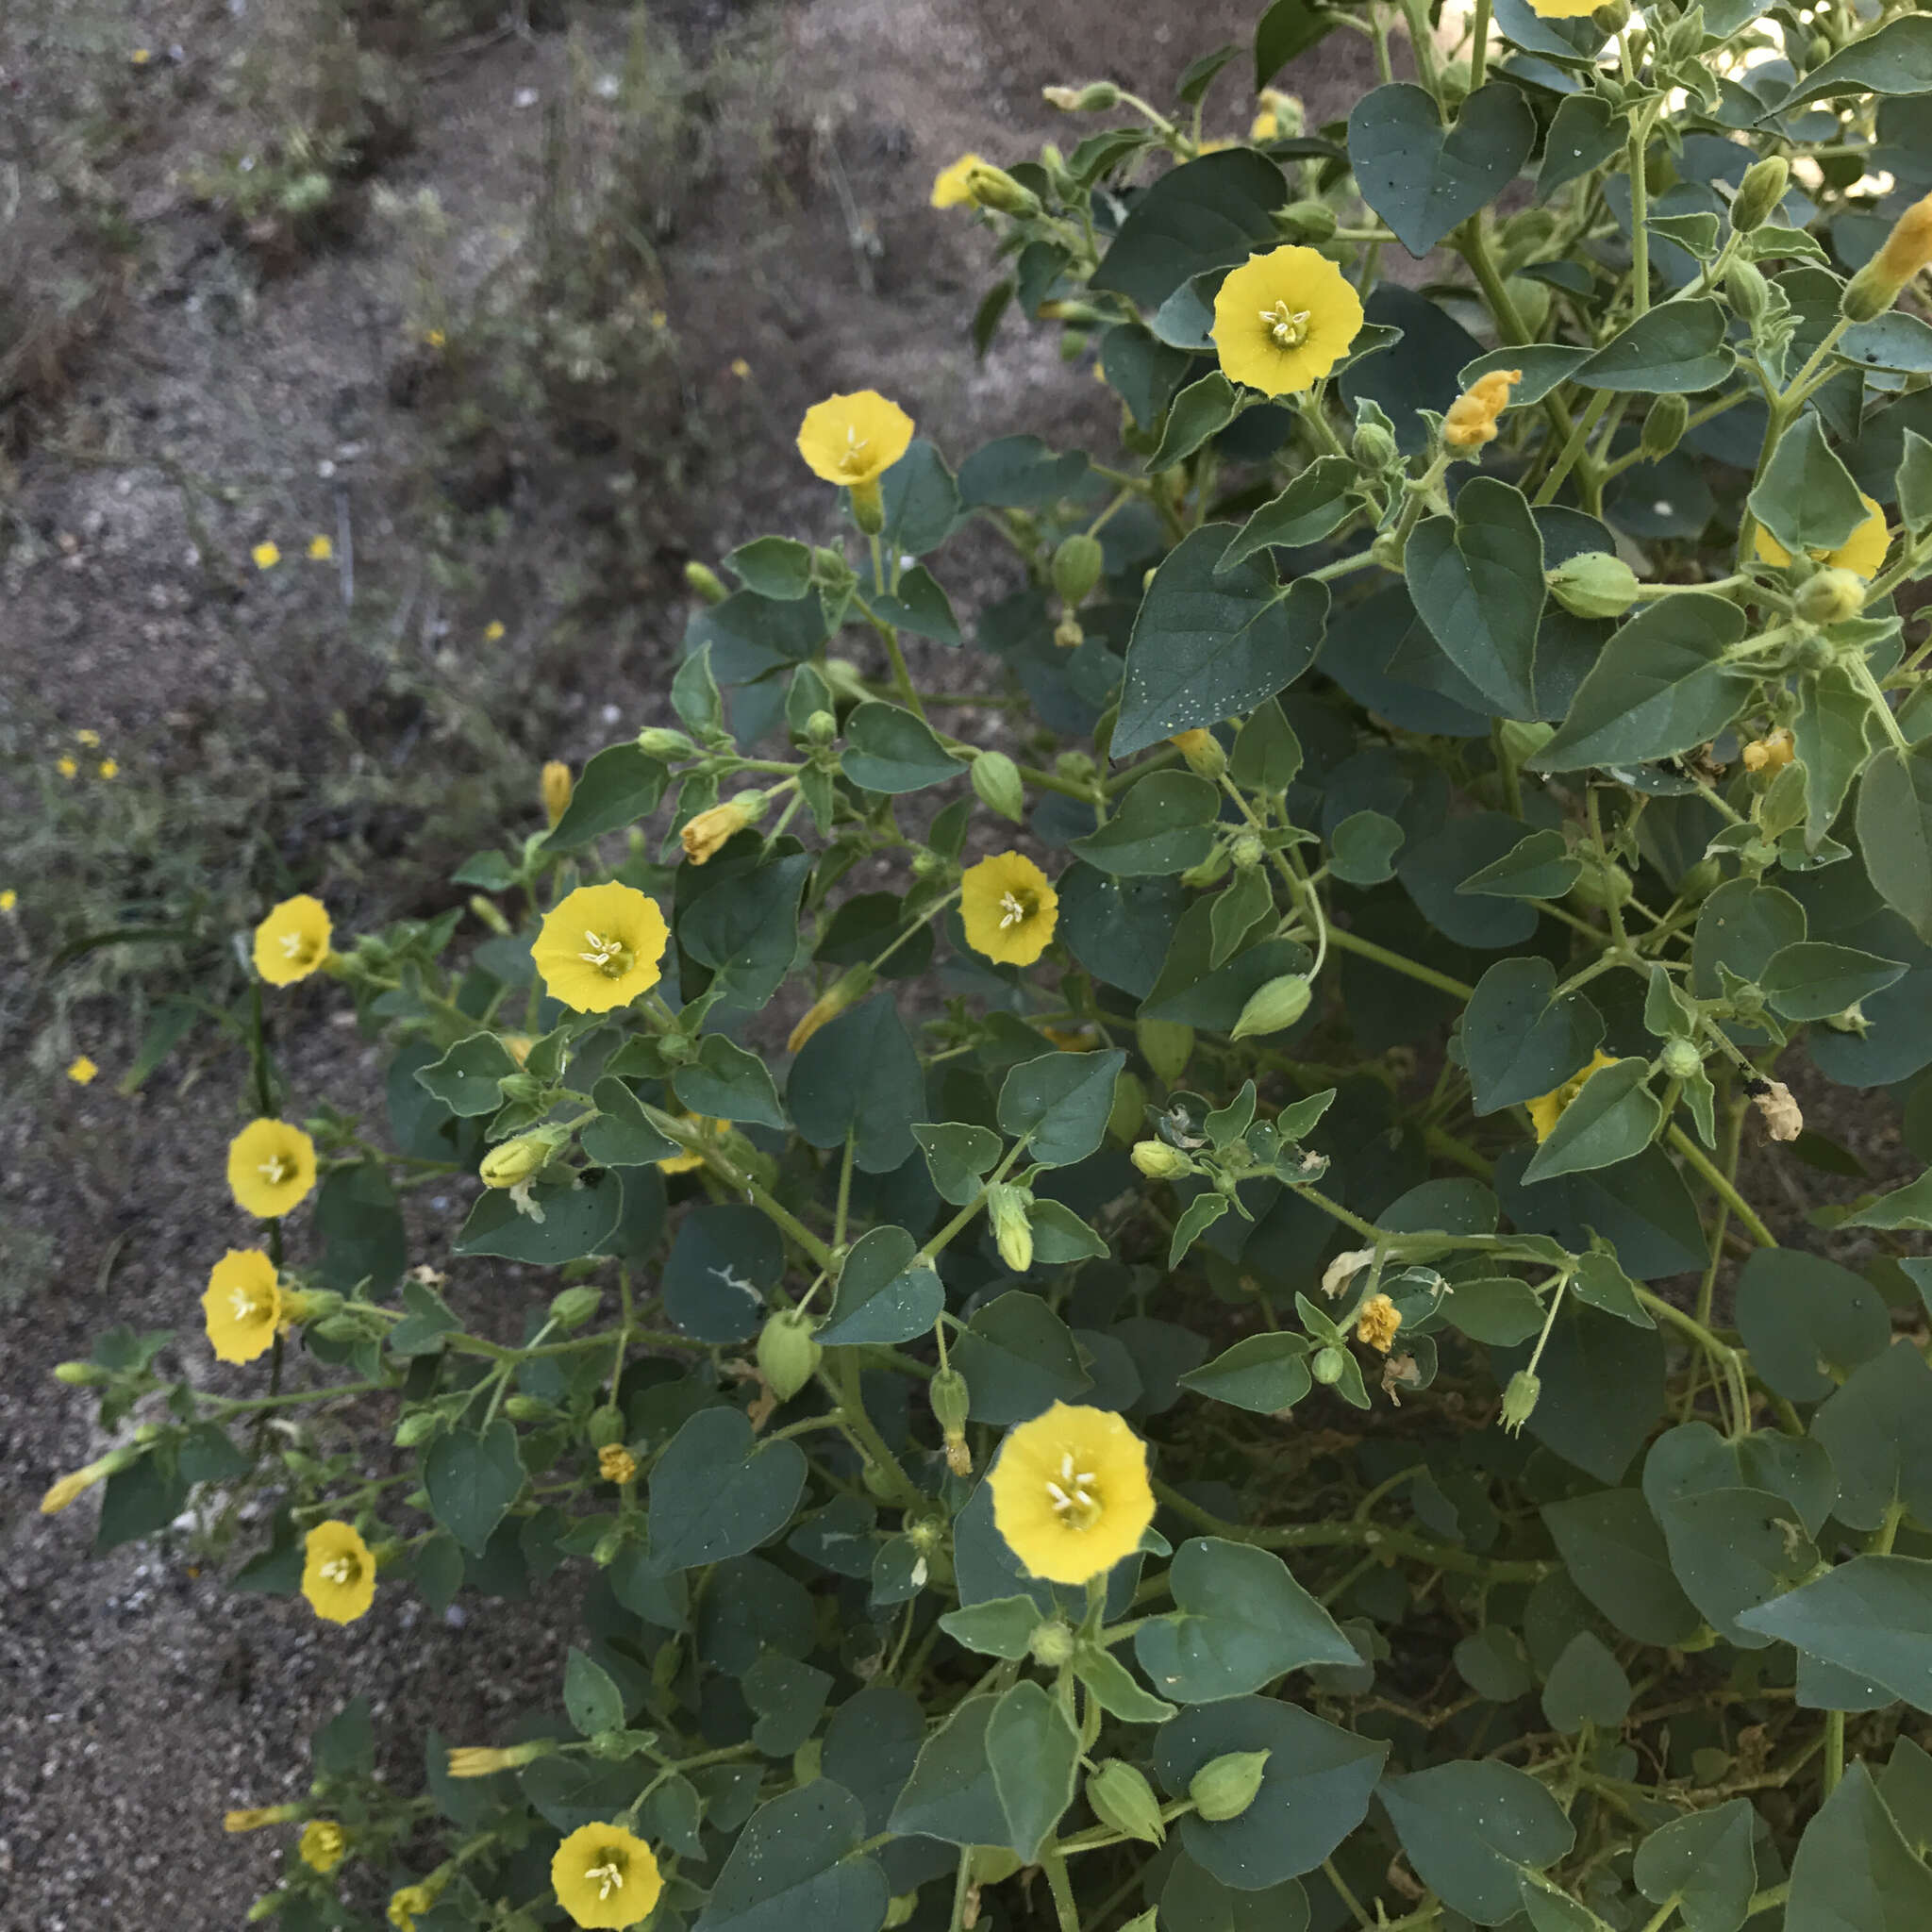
x=705, y=835
x=1158, y=1162
x=1012, y=1231
x=490, y=913
x=515, y=1161
x=664, y=741
x=702, y=578
x=1203, y=752
x=256, y=1816
x=850, y=987
x=990, y=187
x=1908, y=247
x=80, y=1375
x=81, y=1480
x=616, y=1464
x=481, y=1760
x=556, y=789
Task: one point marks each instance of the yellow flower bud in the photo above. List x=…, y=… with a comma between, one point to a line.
x=1158, y=1162
x=515, y=1161
x=1012, y=1231
x=705, y=835
x=849, y=987
x=556, y=789
x=1203, y=752
x=1831, y=596
x=256, y=1816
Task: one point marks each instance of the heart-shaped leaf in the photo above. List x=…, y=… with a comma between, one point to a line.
x=718, y=1492
x=1423, y=178
x=1520, y=1042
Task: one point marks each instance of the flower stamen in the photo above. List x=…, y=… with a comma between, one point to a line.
x=609, y=955
x=1014, y=910
x=275, y=1170
x=340, y=1570
x=1287, y=328
x=608, y=1876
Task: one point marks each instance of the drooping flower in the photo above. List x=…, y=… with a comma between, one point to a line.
x=1863, y=553
x=1546, y=1111
x=1904, y=252
x=337, y=1573
x=321, y=1844
x=1069, y=1492
x=707, y=833
x=1470, y=419
x=245, y=1303
x=606, y=1876
x=1377, y=1324
x=599, y=948
x=950, y=186
x=294, y=940
x=1008, y=908
x=76, y=1483
x=81, y=1070
x=853, y=440
x=1283, y=320
x=270, y=1167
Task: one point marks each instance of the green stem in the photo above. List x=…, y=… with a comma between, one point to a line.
x=1478, y=44
x=1834, y=1767
x=1718, y=1182
x=1721, y=1353
x=1061, y=1886
x=1367, y=949
x=1640, y=201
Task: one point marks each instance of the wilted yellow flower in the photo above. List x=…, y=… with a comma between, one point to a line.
x=616, y=1464
x=337, y=1573
x=1069, y=1492
x=140, y=57
x=81, y=1070
x=950, y=188
x=485, y=1760
x=1377, y=1323
x=1471, y=419
x=600, y=947
x=1283, y=320
x=604, y=1876
x=853, y=440
x=407, y=1905
x=1547, y=1111
x=257, y=1816
x=1771, y=752
x=555, y=785
x=266, y=556
x=319, y=549
x=245, y=1305
x=1862, y=552
x=492, y=632
x=321, y=1844
x=293, y=941
x=1783, y=1117
x=1009, y=908
x=707, y=833
x=68, y=766
x=76, y=1485
x=270, y=1167
x=850, y=986
x=109, y=768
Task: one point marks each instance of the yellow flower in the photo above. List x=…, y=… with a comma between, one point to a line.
x=1201, y=749
x=707, y=833
x=616, y=1464
x=1908, y=247
x=67, y=766
x=1069, y=1492
x=109, y=768
x=337, y=1573
x=257, y=1816
x=405, y=1905
x=8, y=899
x=950, y=186
x=492, y=632
x=270, y=1167
x=266, y=556
x=70, y=1488
x=853, y=440
x=90, y=739
x=1377, y=1323
x=319, y=549
x=82, y=1071
x=1283, y=320
x=740, y=367
x=141, y=55
x=604, y=1876
x=685, y=1163
x=555, y=785
x=245, y=1305
x=1862, y=552
x=518, y=1046
x=1563, y=9
x=322, y=1843
x=599, y=947
x=292, y=941
x=1009, y=908
x=486, y=1760
x=435, y=337
x=1771, y=752
x=1546, y=1112
x=1471, y=420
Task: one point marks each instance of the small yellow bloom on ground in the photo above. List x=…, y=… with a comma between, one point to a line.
x=740, y=367
x=140, y=57
x=319, y=549
x=853, y=440
x=68, y=766
x=1283, y=320
x=1377, y=1323
x=616, y=1464
x=555, y=785
x=82, y=1071
x=600, y=947
x=1547, y=1111
x=90, y=739
x=1862, y=552
x=256, y=1817
x=1009, y=908
x=270, y=1167
x=492, y=632
x=266, y=556
x=1771, y=752
x=685, y=1163
x=245, y=1305
x=322, y=1843
x=8, y=899
x=337, y=1573
x=435, y=337
x=292, y=941
x=1471, y=419
x=1069, y=1492
x=606, y=1876
x=950, y=186
x=109, y=768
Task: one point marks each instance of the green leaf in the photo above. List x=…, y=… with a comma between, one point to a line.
x=950, y=1796
x=1203, y=409
x=1001, y=1626
x=1895, y=821
x=1212, y=639
x=1705, y=1863
x=1239, y=1621
x=789, y=1698
x=1585, y=134
x=1674, y=349
x=726, y=1083
x=1194, y=1900
x=1165, y=824
x=577, y=1220
x=466, y=1079
x=472, y=1480
x=889, y=750
x=1018, y=472
x=1895, y=342
x=1470, y=1828
x=1614, y=1117
x=1616, y=1555
x=717, y=1492
x=921, y=502
x=617, y=788
x=1538, y=867
x=1018, y=1357
x=1315, y=1787
x=1907, y=1207
x=360, y=1227
x=724, y=1263
x=1476, y=578
x=1898, y=59
x=1118, y=928
x=885, y=1293
x=138, y=1501
x=1116, y=1689
x=1906, y=1785
x=1519, y=1041
x=743, y=921
x=920, y=605
x=1498, y=1309
x=1541, y=365
x=1813, y=979
x=1263, y=1373
x=859, y=1074
x=1914, y=483
x=1423, y=179
x=590, y=1697
x=1315, y=503
x=1288, y=29
x=1060, y=1102
x=1853, y=1871
x=1362, y=848
x=1806, y=497
x=345, y=1745
x=797, y=1862
x=1207, y=214
x=1808, y=1321
x=1877, y=1430
x=956, y=1155
x=1733, y=1549
x=621, y=1135
x=1586, y=1685
x=421, y=1331
x=1034, y=1751
x=1872, y=1616
x=777, y=567
x=1199, y=1215
x=1660, y=687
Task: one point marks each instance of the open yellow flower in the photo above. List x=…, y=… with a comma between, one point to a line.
x=292, y=941
x=270, y=1167
x=1069, y=1492
x=337, y=1573
x=321, y=1844
x=951, y=188
x=82, y=1071
x=1009, y=908
x=1863, y=553
x=604, y=1876
x=245, y=1303
x=1283, y=320
x=1546, y=1111
x=600, y=947
x=853, y=440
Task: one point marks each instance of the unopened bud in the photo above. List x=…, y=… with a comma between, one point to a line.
x=1077, y=568
x=1520, y=1399
x=1201, y=749
x=1167, y=1045
x=606, y=1427
x=1273, y=1007
x=821, y=727
x=1012, y=1231
x=575, y=1306
x=1612, y=17
x=1596, y=584
x=1123, y=1801
x=990, y=186
x=702, y=578
x=490, y=913
x=1373, y=447
x=663, y=741
x=1664, y=425
x=1096, y=98
x=1328, y=1366
x=1749, y=291
x=787, y=1352
x=529, y=1408
x=950, y=1400
x=1051, y=1644
x=1306, y=220
x=417, y=1428
x=1224, y=1787
x=997, y=782
x=1759, y=192
x=81, y=1375
x=556, y=789
x=1831, y=597
x=515, y=1161
x=1158, y=1162
x=1701, y=881
x=1680, y=1059
x=1601, y=885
